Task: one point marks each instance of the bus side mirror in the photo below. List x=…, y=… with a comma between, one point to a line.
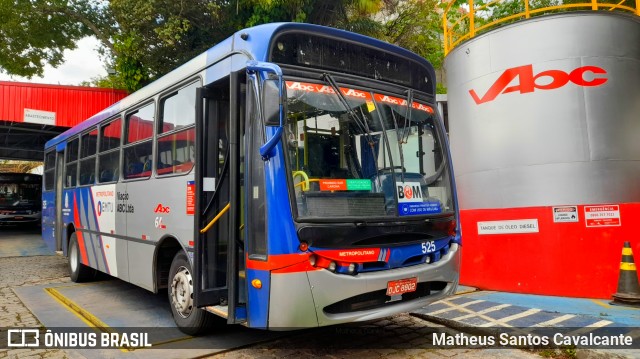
x=271, y=102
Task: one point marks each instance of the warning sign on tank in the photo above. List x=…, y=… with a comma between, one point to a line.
x=602, y=216
x=565, y=214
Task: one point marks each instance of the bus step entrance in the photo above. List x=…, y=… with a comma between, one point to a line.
x=219, y=310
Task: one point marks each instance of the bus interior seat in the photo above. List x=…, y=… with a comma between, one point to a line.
x=135, y=168
x=106, y=176
x=86, y=178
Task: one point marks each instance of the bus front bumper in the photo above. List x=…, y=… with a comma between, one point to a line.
x=325, y=298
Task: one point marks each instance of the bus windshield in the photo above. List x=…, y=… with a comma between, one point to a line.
x=364, y=154
x=19, y=195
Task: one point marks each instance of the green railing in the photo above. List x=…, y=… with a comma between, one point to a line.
x=465, y=22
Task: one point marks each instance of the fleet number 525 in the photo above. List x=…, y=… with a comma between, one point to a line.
x=428, y=247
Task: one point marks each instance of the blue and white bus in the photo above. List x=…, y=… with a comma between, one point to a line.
x=292, y=176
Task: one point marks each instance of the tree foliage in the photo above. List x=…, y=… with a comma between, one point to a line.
x=143, y=40
x=33, y=34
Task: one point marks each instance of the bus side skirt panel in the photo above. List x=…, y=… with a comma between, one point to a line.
x=293, y=306
x=258, y=299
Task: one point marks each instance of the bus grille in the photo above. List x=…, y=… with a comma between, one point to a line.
x=364, y=205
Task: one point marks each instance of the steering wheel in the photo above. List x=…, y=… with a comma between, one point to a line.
x=305, y=180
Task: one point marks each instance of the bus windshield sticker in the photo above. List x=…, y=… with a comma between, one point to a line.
x=318, y=88
x=359, y=185
x=402, y=102
x=414, y=208
x=353, y=93
x=333, y=185
x=370, y=106
x=345, y=185
x=409, y=192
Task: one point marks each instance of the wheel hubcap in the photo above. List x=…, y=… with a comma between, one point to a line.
x=73, y=258
x=182, y=292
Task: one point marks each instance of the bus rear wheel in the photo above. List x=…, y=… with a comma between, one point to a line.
x=189, y=319
x=78, y=271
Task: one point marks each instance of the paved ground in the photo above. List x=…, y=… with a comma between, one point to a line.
x=403, y=336
x=22, y=241
x=27, y=271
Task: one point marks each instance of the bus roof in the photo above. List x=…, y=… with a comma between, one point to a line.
x=256, y=46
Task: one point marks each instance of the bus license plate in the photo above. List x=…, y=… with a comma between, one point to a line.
x=401, y=286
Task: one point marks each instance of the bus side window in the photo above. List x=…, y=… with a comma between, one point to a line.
x=139, y=133
x=176, y=132
x=88, y=145
x=109, y=157
x=71, y=156
x=49, y=170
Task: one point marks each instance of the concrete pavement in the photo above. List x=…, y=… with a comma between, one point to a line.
x=22, y=241
x=491, y=313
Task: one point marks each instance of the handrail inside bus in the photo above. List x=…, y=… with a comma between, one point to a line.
x=305, y=179
x=215, y=219
x=464, y=21
x=302, y=183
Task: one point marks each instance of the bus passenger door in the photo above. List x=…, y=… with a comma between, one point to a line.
x=212, y=187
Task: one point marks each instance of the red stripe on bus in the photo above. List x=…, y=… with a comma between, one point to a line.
x=298, y=267
x=278, y=261
x=351, y=255
x=76, y=220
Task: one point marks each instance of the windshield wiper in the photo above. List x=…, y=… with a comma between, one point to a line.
x=399, y=140
x=407, y=117
x=404, y=136
x=360, y=121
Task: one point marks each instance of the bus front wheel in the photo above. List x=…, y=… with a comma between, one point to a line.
x=189, y=319
x=78, y=271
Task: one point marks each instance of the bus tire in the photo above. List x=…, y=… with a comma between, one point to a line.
x=189, y=319
x=78, y=271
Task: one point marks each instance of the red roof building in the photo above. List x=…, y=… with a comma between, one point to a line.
x=31, y=114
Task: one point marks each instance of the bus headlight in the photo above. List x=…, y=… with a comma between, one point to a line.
x=352, y=268
x=332, y=266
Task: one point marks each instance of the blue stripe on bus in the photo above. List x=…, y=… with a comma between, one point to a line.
x=48, y=219
x=258, y=299
x=281, y=233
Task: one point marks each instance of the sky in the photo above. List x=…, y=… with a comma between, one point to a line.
x=81, y=64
